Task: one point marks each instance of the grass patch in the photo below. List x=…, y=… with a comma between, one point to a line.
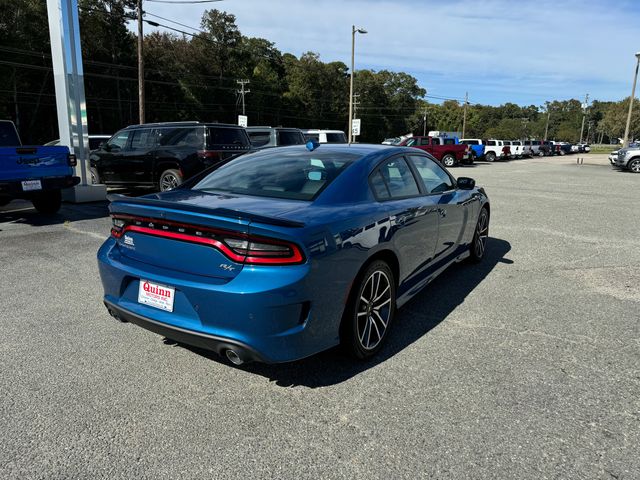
x=604, y=148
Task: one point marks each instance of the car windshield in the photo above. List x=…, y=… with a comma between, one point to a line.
x=288, y=174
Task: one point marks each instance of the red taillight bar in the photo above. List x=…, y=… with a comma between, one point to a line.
x=255, y=259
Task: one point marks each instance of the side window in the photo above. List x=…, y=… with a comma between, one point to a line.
x=424, y=141
x=227, y=138
x=142, y=138
x=181, y=137
x=434, y=177
x=119, y=140
x=289, y=137
x=491, y=143
x=435, y=141
x=397, y=178
x=379, y=186
x=411, y=142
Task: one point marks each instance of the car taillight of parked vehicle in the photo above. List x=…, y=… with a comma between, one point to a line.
x=239, y=247
x=506, y=150
x=72, y=160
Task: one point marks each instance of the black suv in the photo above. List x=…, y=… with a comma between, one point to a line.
x=163, y=155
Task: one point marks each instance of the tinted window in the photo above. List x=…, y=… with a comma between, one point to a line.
x=8, y=135
x=449, y=141
x=228, y=138
x=290, y=137
x=119, y=140
x=379, y=186
x=435, y=179
x=336, y=138
x=142, y=138
x=180, y=137
x=516, y=143
x=491, y=143
x=435, y=141
x=424, y=141
x=277, y=173
x=398, y=178
x=470, y=142
x=411, y=142
x=312, y=136
x=259, y=138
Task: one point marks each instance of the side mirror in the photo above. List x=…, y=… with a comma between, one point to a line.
x=102, y=145
x=466, y=183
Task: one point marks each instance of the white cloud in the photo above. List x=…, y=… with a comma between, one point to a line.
x=498, y=50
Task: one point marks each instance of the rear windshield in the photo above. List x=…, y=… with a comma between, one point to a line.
x=259, y=138
x=8, y=135
x=470, y=142
x=290, y=137
x=449, y=141
x=336, y=138
x=284, y=174
x=312, y=136
x=227, y=138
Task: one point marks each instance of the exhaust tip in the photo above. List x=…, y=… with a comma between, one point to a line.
x=233, y=357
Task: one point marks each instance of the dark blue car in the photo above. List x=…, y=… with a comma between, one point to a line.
x=283, y=253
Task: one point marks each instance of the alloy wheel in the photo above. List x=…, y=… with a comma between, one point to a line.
x=634, y=166
x=374, y=310
x=168, y=182
x=482, y=233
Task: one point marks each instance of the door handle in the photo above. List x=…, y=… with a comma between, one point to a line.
x=442, y=212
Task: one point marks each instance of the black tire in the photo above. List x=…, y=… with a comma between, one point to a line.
x=170, y=179
x=94, y=176
x=364, y=329
x=634, y=165
x=449, y=160
x=47, y=202
x=478, y=245
x=490, y=157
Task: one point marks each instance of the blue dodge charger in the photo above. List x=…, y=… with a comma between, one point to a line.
x=283, y=253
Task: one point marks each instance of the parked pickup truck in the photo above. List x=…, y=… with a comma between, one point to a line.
x=477, y=147
x=518, y=148
x=494, y=149
x=534, y=147
x=35, y=173
x=444, y=149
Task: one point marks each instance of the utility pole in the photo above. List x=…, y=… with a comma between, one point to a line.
x=464, y=114
x=585, y=105
x=546, y=129
x=424, y=122
x=242, y=92
x=354, y=30
x=140, y=64
x=625, y=141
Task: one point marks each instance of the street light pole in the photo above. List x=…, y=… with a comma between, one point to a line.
x=625, y=142
x=140, y=65
x=354, y=30
x=585, y=106
x=464, y=115
x=546, y=129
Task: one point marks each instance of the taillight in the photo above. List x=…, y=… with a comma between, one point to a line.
x=239, y=247
x=72, y=160
x=208, y=154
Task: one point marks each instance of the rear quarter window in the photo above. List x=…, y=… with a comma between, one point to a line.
x=290, y=137
x=259, y=138
x=227, y=138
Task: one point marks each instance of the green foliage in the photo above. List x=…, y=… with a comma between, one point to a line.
x=194, y=78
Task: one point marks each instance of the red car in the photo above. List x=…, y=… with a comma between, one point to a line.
x=444, y=149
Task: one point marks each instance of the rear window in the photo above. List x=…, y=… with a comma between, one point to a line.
x=8, y=135
x=259, y=138
x=312, y=136
x=290, y=137
x=449, y=141
x=227, y=138
x=336, y=138
x=279, y=174
x=470, y=142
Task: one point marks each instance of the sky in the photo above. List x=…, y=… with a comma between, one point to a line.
x=519, y=51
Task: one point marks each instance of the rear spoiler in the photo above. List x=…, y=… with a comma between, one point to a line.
x=223, y=212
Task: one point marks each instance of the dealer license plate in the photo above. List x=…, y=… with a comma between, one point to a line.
x=30, y=185
x=155, y=295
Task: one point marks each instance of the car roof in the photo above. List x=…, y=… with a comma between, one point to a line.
x=182, y=124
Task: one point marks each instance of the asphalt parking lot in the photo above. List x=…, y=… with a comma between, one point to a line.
x=526, y=366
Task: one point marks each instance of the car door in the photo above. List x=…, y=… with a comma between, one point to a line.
x=137, y=159
x=411, y=217
x=109, y=159
x=453, y=206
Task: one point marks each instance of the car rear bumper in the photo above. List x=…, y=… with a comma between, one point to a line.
x=275, y=314
x=13, y=188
